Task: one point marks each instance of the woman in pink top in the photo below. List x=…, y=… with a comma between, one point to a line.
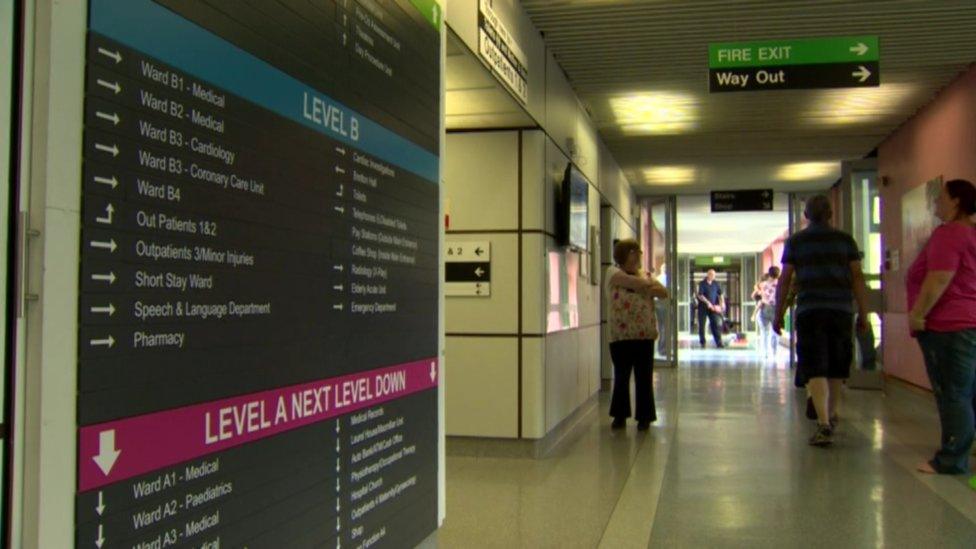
x=942, y=303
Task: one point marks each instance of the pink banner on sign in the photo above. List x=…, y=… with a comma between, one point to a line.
x=121, y=449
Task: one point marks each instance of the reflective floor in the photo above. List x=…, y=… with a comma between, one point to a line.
x=727, y=465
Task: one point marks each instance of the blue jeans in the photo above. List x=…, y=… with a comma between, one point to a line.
x=950, y=359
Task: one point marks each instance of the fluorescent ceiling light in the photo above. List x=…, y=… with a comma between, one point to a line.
x=857, y=105
x=804, y=171
x=670, y=175
x=655, y=113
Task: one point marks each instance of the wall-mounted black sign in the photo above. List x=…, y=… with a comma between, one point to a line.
x=259, y=275
x=743, y=201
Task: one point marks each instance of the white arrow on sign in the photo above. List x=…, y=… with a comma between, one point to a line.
x=107, y=454
x=340, y=209
x=339, y=288
x=107, y=310
x=105, y=342
x=110, y=277
x=101, y=537
x=111, y=54
x=433, y=371
x=113, y=150
x=860, y=49
x=339, y=170
x=113, y=118
x=862, y=73
x=110, y=181
x=114, y=86
x=479, y=272
x=339, y=268
x=100, y=509
x=110, y=245
x=338, y=307
x=341, y=150
x=107, y=218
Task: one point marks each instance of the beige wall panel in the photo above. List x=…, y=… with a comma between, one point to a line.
x=562, y=376
x=481, y=386
x=587, y=155
x=533, y=387
x=497, y=314
x=591, y=351
x=481, y=180
x=535, y=188
x=534, y=298
x=562, y=107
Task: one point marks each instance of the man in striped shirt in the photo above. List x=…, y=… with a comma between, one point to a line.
x=827, y=266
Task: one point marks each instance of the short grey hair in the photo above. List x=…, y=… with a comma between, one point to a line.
x=818, y=209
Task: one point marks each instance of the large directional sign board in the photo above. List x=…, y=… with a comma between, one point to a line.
x=259, y=274
x=847, y=62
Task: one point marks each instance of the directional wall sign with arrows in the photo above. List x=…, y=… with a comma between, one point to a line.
x=844, y=62
x=759, y=200
x=467, y=269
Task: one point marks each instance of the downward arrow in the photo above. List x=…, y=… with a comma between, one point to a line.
x=111, y=54
x=433, y=371
x=101, y=537
x=100, y=509
x=107, y=454
x=860, y=49
x=862, y=73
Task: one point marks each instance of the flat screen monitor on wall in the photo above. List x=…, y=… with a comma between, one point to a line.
x=574, y=225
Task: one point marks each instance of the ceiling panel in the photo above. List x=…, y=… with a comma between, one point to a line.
x=641, y=68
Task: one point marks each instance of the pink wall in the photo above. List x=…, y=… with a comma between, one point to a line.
x=939, y=140
x=773, y=253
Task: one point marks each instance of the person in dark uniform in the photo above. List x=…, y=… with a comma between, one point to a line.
x=711, y=303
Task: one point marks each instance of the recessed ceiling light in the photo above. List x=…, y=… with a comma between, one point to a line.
x=655, y=113
x=857, y=105
x=670, y=175
x=803, y=171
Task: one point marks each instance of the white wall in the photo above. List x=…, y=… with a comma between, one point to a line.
x=559, y=370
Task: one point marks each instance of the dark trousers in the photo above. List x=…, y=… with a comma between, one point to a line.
x=950, y=359
x=715, y=323
x=636, y=355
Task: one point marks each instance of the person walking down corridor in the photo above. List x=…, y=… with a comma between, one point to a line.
x=827, y=266
x=941, y=286
x=768, y=340
x=633, y=329
x=711, y=303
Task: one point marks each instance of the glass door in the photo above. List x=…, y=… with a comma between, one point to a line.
x=659, y=235
x=862, y=219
